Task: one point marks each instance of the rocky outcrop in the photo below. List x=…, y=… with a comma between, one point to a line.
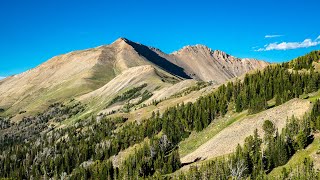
x=217, y=66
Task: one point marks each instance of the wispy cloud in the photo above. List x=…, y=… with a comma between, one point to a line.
x=272, y=36
x=290, y=45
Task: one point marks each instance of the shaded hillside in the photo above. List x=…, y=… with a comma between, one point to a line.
x=202, y=63
x=158, y=60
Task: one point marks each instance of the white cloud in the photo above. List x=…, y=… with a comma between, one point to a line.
x=272, y=36
x=290, y=45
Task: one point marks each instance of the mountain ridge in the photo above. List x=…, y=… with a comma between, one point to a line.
x=205, y=64
x=80, y=72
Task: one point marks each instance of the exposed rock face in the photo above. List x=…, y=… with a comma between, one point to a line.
x=205, y=64
x=80, y=72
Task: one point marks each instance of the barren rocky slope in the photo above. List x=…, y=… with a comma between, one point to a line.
x=77, y=73
x=68, y=76
x=200, y=62
x=130, y=78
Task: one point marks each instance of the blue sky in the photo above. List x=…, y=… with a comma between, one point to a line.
x=33, y=31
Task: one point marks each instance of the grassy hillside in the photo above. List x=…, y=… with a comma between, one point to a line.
x=298, y=158
x=196, y=139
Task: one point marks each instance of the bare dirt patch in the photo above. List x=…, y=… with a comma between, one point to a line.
x=226, y=141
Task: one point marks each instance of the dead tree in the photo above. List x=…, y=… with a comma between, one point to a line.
x=237, y=170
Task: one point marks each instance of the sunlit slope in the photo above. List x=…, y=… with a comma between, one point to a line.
x=227, y=139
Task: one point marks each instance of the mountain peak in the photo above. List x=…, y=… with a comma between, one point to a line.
x=122, y=43
x=193, y=48
x=121, y=39
x=221, y=54
x=204, y=50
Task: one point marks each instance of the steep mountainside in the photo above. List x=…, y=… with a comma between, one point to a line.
x=69, y=75
x=80, y=72
x=200, y=62
x=147, y=76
